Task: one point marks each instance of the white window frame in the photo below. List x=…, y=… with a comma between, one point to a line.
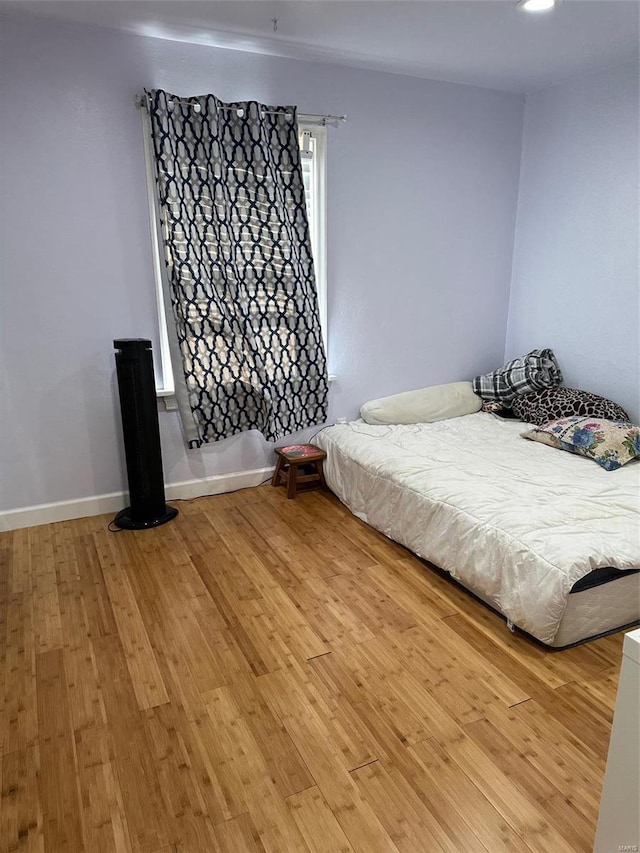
x=318, y=214
x=318, y=234
x=165, y=388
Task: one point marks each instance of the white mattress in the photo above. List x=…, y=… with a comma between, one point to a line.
x=516, y=521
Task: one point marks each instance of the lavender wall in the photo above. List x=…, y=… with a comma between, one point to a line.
x=422, y=188
x=575, y=279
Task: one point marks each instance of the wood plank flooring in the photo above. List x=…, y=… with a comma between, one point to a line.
x=268, y=675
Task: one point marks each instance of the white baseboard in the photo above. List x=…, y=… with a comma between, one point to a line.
x=30, y=516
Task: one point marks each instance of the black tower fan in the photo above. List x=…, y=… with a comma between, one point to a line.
x=138, y=407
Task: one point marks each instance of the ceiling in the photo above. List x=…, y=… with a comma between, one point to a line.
x=490, y=43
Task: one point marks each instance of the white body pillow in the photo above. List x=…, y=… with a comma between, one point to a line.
x=425, y=405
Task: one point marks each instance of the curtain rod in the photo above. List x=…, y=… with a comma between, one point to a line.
x=141, y=103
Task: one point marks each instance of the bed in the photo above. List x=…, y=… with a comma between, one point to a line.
x=548, y=539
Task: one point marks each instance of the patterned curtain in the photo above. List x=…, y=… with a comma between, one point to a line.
x=240, y=275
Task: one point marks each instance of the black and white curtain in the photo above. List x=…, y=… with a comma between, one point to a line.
x=240, y=278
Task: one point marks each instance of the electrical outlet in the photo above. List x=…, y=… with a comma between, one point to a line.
x=341, y=420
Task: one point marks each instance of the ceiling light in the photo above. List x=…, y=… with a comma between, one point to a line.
x=536, y=5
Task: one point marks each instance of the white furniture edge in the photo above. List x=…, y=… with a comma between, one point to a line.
x=619, y=818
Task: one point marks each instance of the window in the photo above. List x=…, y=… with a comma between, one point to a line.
x=312, y=139
x=313, y=149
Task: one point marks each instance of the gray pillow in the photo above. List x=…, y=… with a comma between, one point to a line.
x=425, y=405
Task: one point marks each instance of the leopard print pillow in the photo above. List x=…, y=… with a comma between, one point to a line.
x=553, y=403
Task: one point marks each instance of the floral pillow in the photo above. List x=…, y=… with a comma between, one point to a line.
x=609, y=443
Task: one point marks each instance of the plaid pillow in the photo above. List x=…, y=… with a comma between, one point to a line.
x=533, y=372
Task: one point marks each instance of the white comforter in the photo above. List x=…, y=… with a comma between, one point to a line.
x=516, y=521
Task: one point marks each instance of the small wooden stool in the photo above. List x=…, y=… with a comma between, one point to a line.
x=290, y=459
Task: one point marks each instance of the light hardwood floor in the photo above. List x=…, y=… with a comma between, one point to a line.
x=272, y=675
